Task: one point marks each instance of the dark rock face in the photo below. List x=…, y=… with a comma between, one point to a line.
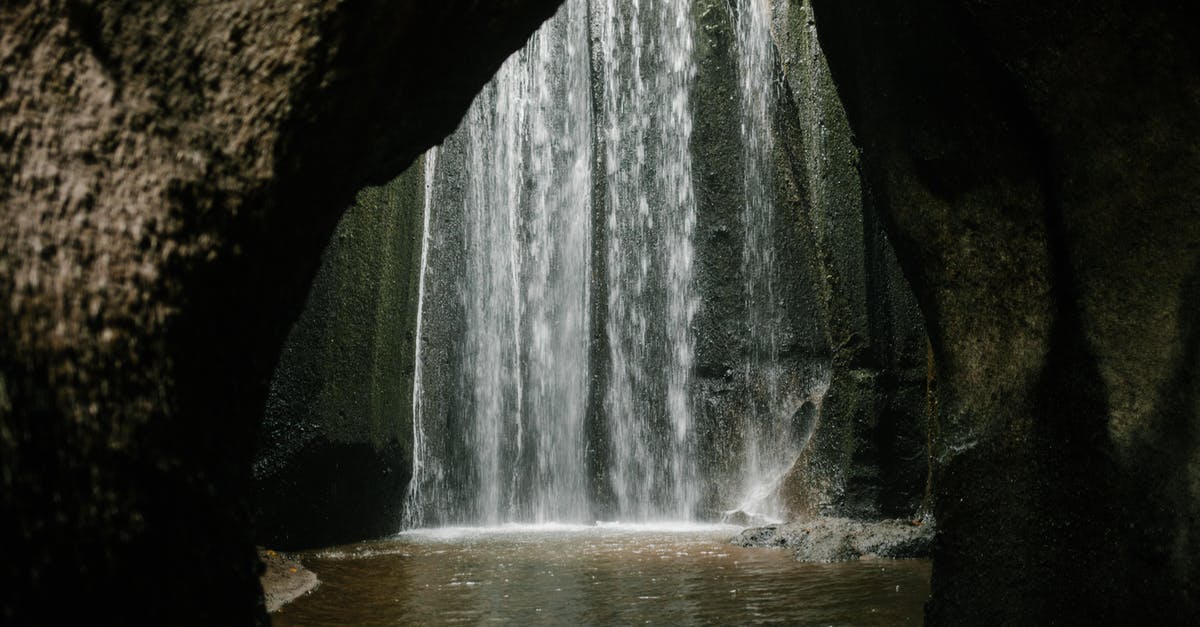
x=169, y=176
x=1035, y=164
x=849, y=320
x=334, y=456
x=867, y=456
x=730, y=386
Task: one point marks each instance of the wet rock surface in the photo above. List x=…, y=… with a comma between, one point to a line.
x=852, y=346
x=867, y=454
x=284, y=580
x=825, y=540
x=334, y=452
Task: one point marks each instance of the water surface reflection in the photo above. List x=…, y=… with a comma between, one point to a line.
x=609, y=574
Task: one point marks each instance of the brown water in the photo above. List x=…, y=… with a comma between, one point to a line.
x=598, y=576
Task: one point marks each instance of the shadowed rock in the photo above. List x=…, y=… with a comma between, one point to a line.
x=1035, y=164
x=169, y=174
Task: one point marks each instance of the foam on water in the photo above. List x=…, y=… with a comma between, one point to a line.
x=600, y=528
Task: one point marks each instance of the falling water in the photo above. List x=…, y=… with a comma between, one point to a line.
x=425, y=475
x=647, y=69
x=514, y=431
x=557, y=264
x=582, y=141
x=770, y=449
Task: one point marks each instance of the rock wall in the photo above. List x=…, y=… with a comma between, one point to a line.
x=335, y=451
x=1035, y=164
x=169, y=176
x=867, y=458
x=731, y=382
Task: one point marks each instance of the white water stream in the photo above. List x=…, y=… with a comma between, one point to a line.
x=583, y=141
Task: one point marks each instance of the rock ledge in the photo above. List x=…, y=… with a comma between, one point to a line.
x=825, y=540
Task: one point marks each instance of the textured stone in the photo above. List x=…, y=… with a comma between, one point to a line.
x=169, y=174
x=1035, y=165
x=335, y=453
x=867, y=458
x=284, y=580
x=826, y=540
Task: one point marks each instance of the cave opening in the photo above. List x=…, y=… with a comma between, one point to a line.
x=856, y=280
x=637, y=297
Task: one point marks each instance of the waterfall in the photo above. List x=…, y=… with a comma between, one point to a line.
x=423, y=472
x=555, y=375
x=646, y=60
x=770, y=449
x=520, y=191
x=557, y=267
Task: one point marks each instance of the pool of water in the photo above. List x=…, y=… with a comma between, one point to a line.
x=605, y=574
